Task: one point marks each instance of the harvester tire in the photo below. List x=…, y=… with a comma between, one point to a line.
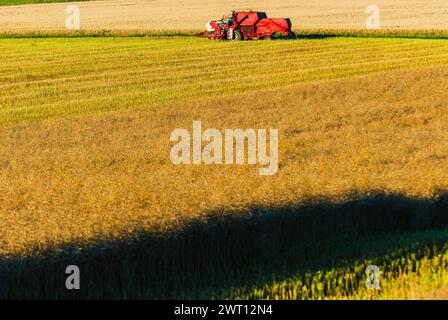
x=238, y=35
x=292, y=35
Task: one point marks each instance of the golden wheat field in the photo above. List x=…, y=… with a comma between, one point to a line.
x=193, y=15
x=86, y=123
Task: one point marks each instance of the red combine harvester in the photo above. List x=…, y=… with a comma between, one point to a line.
x=247, y=25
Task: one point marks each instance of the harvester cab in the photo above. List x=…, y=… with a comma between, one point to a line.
x=247, y=25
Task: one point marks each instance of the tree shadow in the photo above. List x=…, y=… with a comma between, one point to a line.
x=228, y=251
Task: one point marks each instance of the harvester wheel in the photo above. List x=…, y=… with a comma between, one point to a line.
x=238, y=35
x=292, y=35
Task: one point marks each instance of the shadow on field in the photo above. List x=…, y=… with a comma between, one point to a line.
x=387, y=34
x=208, y=259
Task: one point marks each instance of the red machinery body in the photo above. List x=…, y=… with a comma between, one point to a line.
x=247, y=25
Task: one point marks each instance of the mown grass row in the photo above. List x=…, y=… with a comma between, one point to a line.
x=381, y=33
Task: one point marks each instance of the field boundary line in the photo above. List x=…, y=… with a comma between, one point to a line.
x=301, y=34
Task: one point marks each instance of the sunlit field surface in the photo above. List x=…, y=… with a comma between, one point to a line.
x=193, y=15
x=59, y=77
x=86, y=178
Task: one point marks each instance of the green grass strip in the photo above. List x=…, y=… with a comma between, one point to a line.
x=301, y=34
x=20, y=2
